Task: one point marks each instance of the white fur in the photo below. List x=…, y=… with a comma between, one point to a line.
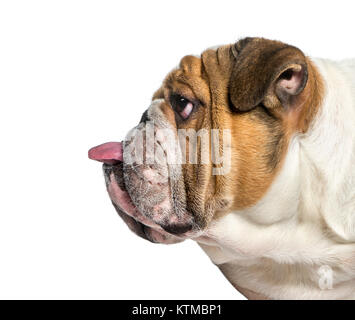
x=307, y=218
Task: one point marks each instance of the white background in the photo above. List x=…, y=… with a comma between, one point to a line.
x=74, y=74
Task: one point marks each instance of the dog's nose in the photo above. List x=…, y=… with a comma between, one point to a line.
x=144, y=117
x=110, y=153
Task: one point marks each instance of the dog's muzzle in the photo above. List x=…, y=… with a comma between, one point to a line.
x=148, y=195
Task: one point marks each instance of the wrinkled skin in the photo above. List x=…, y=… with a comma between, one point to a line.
x=150, y=198
x=136, y=221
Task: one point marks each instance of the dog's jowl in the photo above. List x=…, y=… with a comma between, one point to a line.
x=248, y=149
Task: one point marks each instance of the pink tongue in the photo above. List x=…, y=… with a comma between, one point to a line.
x=110, y=152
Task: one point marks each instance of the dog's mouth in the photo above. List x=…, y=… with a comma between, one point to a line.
x=143, y=196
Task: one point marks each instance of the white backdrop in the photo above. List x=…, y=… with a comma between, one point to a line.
x=74, y=74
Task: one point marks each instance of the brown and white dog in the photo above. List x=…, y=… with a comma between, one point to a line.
x=279, y=218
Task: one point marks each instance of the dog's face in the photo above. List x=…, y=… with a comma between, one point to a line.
x=239, y=105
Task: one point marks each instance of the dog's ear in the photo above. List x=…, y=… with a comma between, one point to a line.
x=268, y=72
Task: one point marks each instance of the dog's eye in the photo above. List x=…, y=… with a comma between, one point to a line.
x=181, y=105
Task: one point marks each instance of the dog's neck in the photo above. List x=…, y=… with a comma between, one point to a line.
x=306, y=220
x=327, y=154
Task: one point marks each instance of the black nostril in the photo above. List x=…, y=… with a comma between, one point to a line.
x=144, y=117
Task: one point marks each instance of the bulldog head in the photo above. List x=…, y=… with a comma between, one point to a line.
x=212, y=140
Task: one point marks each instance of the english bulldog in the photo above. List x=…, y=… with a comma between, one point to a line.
x=265, y=179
